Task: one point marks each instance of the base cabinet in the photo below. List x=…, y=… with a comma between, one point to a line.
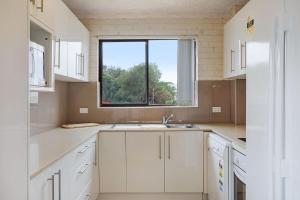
x=70, y=178
x=145, y=161
x=151, y=162
x=184, y=161
x=112, y=162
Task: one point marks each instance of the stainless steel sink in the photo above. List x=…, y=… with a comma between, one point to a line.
x=180, y=126
x=151, y=126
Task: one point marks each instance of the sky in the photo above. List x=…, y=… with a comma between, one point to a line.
x=161, y=52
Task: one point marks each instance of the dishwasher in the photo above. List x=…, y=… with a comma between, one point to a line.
x=218, y=168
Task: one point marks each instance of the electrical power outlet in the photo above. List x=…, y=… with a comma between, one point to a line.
x=216, y=109
x=83, y=110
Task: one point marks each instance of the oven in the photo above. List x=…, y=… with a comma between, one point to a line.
x=239, y=175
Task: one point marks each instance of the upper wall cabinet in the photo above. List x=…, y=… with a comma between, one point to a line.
x=44, y=11
x=235, y=45
x=72, y=46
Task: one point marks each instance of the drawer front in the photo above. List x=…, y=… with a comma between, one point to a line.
x=87, y=149
x=80, y=178
x=88, y=193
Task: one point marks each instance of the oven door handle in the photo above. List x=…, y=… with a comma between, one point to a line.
x=240, y=174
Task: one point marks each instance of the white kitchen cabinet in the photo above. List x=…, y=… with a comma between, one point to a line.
x=44, y=11
x=70, y=177
x=184, y=161
x=235, y=45
x=145, y=161
x=51, y=183
x=112, y=162
x=72, y=46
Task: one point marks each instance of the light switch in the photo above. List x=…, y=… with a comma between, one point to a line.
x=83, y=110
x=216, y=109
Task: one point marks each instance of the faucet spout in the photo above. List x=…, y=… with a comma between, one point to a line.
x=166, y=119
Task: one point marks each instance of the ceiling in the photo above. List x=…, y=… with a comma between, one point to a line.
x=151, y=8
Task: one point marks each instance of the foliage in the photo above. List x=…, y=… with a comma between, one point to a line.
x=122, y=86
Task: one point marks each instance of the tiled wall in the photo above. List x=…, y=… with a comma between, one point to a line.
x=51, y=111
x=209, y=34
x=211, y=93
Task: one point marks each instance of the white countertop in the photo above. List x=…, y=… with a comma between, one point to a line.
x=47, y=148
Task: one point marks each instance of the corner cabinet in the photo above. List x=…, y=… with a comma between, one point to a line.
x=75, y=176
x=151, y=162
x=235, y=45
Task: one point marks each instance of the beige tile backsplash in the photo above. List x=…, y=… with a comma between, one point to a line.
x=51, y=111
x=211, y=93
x=63, y=106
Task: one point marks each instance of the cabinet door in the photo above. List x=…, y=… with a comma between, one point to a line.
x=50, y=184
x=45, y=11
x=184, y=161
x=41, y=186
x=112, y=162
x=61, y=34
x=74, y=59
x=85, y=53
x=145, y=161
x=61, y=58
x=230, y=52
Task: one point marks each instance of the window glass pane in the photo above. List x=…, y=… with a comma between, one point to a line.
x=124, y=73
x=162, y=72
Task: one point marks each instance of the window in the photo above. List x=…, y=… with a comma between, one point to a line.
x=147, y=72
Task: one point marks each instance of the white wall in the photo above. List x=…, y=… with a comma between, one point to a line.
x=13, y=100
x=209, y=33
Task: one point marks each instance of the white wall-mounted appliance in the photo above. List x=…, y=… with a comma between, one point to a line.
x=239, y=175
x=37, y=71
x=218, y=168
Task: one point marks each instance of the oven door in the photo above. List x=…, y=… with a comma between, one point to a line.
x=239, y=184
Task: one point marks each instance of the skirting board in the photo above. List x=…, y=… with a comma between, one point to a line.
x=152, y=196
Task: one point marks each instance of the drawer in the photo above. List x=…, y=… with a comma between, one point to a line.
x=80, y=177
x=88, y=193
x=87, y=149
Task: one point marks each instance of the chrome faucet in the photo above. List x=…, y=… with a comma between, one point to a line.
x=166, y=119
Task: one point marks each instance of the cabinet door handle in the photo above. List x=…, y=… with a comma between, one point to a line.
x=59, y=183
x=52, y=186
x=41, y=8
x=33, y=2
x=95, y=158
x=76, y=64
x=160, y=156
x=84, y=149
x=58, y=54
x=169, y=146
x=243, y=46
x=231, y=60
x=84, y=169
x=82, y=65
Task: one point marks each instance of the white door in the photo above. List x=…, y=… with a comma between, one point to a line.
x=184, y=161
x=112, y=162
x=145, y=161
